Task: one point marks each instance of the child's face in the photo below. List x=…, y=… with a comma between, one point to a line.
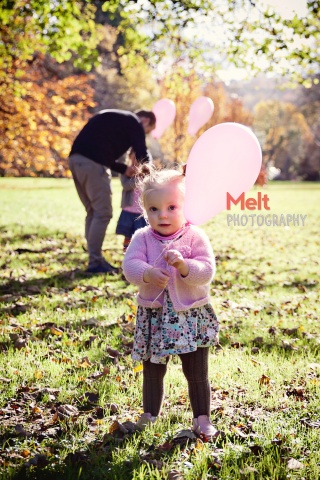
x=164, y=207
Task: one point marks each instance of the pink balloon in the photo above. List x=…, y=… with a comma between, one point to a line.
x=165, y=111
x=226, y=158
x=200, y=112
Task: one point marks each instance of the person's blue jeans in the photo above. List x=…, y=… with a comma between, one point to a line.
x=129, y=222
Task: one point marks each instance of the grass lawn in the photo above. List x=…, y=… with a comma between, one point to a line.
x=69, y=389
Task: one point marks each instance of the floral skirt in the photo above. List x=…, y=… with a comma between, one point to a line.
x=161, y=332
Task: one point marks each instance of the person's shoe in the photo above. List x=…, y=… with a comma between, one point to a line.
x=103, y=267
x=107, y=264
x=203, y=426
x=144, y=420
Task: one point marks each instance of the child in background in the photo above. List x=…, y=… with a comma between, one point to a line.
x=131, y=218
x=172, y=263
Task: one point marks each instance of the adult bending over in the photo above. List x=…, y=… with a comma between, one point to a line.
x=95, y=151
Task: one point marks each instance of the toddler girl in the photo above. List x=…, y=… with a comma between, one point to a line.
x=172, y=263
x=131, y=218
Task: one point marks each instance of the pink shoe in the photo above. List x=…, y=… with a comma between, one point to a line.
x=203, y=426
x=144, y=420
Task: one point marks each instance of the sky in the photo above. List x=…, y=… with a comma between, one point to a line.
x=287, y=9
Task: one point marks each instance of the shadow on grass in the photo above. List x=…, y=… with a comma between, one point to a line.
x=66, y=280
x=96, y=462
x=14, y=290
x=93, y=463
x=245, y=460
x=280, y=345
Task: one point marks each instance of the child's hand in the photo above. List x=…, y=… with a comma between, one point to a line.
x=176, y=260
x=157, y=276
x=132, y=157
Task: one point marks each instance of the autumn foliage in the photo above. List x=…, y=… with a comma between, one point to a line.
x=38, y=125
x=183, y=88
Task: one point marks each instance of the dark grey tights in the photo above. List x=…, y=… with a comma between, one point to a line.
x=195, y=369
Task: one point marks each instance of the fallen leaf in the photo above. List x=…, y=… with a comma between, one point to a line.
x=288, y=346
x=38, y=460
x=272, y=330
x=264, y=380
x=77, y=458
x=37, y=410
x=20, y=343
x=130, y=426
x=25, y=453
x=90, y=341
x=91, y=322
x=185, y=434
x=294, y=464
x=255, y=362
x=84, y=363
x=256, y=449
x=91, y=397
x=20, y=430
x=65, y=411
x=310, y=423
x=314, y=366
x=157, y=463
x=56, y=331
x=166, y=447
x=297, y=392
x=42, y=269
x=117, y=426
x=95, y=376
x=138, y=368
x=113, y=352
x=246, y=471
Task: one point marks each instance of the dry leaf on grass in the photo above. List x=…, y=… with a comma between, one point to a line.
x=138, y=368
x=38, y=460
x=67, y=411
x=310, y=423
x=264, y=380
x=294, y=464
x=175, y=475
x=84, y=363
x=20, y=343
x=314, y=366
x=90, y=397
x=91, y=322
x=20, y=430
x=56, y=331
x=113, y=352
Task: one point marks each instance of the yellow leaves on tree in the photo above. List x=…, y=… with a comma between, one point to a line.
x=38, y=126
x=284, y=134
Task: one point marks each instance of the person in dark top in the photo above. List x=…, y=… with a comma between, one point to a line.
x=95, y=151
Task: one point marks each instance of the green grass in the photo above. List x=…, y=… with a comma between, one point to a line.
x=58, y=325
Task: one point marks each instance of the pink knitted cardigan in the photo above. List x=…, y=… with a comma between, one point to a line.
x=185, y=292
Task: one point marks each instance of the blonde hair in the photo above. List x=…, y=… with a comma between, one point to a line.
x=150, y=178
